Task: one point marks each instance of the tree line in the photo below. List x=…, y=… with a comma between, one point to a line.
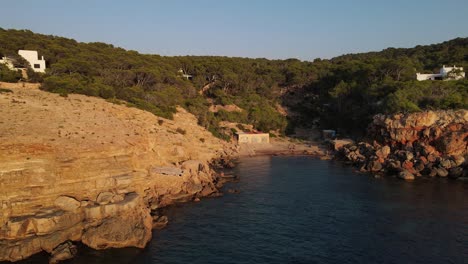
x=342, y=92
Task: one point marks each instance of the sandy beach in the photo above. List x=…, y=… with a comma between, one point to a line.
x=283, y=146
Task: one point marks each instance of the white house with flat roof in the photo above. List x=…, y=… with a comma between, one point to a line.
x=38, y=65
x=445, y=73
x=31, y=56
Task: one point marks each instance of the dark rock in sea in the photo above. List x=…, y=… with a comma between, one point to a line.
x=432, y=172
x=63, y=252
x=455, y=172
x=441, y=172
x=374, y=166
x=233, y=191
x=394, y=165
x=445, y=163
x=419, y=165
x=216, y=194
x=406, y=175
x=159, y=222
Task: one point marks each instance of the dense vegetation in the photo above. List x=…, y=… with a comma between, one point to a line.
x=342, y=92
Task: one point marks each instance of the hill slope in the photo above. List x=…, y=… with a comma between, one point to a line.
x=343, y=92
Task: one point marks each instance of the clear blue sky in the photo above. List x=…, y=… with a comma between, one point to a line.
x=305, y=29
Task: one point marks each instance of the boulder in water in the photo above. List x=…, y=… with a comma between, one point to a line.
x=63, y=252
x=406, y=175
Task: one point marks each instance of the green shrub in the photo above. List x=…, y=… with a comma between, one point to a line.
x=7, y=75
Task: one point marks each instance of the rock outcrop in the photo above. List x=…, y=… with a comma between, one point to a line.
x=430, y=143
x=78, y=168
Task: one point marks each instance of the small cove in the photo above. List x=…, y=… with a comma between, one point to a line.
x=304, y=210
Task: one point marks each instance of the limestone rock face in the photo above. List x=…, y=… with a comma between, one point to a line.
x=67, y=203
x=125, y=227
x=63, y=252
x=82, y=169
x=431, y=143
x=447, y=130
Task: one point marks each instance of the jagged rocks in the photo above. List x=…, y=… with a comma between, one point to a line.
x=159, y=222
x=406, y=175
x=383, y=153
x=104, y=198
x=441, y=172
x=63, y=252
x=374, y=166
x=127, y=224
x=456, y=172
x=67, y=203
x=339, y=143
x=193, y=166
x=108, y=197
x=132, y=230
x=422, y=144
x=453, y=143
x=459, y=160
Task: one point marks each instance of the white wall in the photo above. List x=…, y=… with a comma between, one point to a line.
x=443, y=73
x=430, y=76
x=38, y=65
x=253, y=138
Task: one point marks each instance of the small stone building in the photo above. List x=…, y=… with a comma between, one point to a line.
x=252, y=137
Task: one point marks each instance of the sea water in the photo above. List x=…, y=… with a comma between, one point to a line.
x=304, y=210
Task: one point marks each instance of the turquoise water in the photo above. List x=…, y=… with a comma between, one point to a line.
x=303, y=210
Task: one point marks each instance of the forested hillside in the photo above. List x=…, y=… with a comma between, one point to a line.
x=342, y=93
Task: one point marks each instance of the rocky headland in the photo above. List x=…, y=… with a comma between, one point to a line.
x=424, y=144
x=79, y=168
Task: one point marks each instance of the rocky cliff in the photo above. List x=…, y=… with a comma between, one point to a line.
x=431, y=143
x=78, y=168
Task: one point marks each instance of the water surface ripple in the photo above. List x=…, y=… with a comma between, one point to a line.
x=303, y=210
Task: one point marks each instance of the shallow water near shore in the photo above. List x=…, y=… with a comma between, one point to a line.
x=304, y=210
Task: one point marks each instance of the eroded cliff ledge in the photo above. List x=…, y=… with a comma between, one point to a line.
x=82, y=169
x=430, y=143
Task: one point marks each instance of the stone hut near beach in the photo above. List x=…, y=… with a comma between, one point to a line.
x=252, y=137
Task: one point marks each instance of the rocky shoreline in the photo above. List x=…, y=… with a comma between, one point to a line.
x=79, y=169
x=113, y=220
x=425, y=144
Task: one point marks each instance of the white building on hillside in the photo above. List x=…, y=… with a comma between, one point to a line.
x=31, y=56
x=447, y=73
x=38, y=65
